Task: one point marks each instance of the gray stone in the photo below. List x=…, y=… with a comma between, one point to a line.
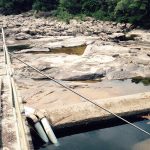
x=116, y=75
x=117, y=36
x=22, y=36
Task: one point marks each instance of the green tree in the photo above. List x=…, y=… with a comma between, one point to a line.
x=18, y=6
x=71, y=6
x=131, y=10
x=15, y=6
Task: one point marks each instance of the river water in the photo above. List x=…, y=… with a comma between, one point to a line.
x=123, y=137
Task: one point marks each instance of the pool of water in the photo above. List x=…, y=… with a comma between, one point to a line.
x=123, y=137
x=113, y=88
x=18, y=47
x=78, y=50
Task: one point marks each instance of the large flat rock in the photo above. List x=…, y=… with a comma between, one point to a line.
x=99, y=59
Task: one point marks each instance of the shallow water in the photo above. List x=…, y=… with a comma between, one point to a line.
x=123, y=137
x=113, y=88
x=126, y=87
x=78, y=50
x=18, y=47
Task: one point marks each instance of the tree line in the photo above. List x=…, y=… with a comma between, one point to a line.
x=133, y=11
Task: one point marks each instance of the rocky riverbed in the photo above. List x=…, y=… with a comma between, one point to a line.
x=79, y=53
x=85, y=58
x=26, y=26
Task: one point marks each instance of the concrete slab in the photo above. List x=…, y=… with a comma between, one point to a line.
x=86, y=112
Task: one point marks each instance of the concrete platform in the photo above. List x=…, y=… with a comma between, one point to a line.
x=7, y=121
x=86, y=112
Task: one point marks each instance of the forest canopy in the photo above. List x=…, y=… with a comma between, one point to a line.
x=133, y=11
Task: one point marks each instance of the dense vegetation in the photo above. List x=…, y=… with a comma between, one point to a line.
x=133, y=11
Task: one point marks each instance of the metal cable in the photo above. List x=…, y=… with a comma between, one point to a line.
x=58, y=82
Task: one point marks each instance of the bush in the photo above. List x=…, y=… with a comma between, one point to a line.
x=99, y=15
x=71, y=6
x=45, y=5
x=64, y=15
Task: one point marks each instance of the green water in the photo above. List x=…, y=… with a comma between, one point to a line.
x=145, y=81
x=122, y=137
x=78, y=50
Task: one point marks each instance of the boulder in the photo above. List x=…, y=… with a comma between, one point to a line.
x=22, y=36
x=142, y=59
x=117, y=36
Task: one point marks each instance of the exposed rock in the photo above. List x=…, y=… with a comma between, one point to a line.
x=25, y=30
x=133, y=50
x=103, y=59
x=100, y=59
x=143, y=35
x=109, y=49
x=117, y=36
x=117, y=75
x=70, y=42
x=22, y=36
x=54, y=45
x=51, y=27
x=142, y=59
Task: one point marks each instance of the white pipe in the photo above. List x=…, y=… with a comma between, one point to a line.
x=39, y=128
x=41, y=132
x=30, y=112
x=49, y=131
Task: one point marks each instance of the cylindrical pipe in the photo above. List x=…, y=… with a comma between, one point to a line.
x=49, y=131
x=39, y=129
x=47, y=128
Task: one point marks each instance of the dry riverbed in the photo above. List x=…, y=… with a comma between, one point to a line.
x=98, y=59
x=94, y=68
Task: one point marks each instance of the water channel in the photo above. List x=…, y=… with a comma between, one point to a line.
x=123, y=137
x=111, y=137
